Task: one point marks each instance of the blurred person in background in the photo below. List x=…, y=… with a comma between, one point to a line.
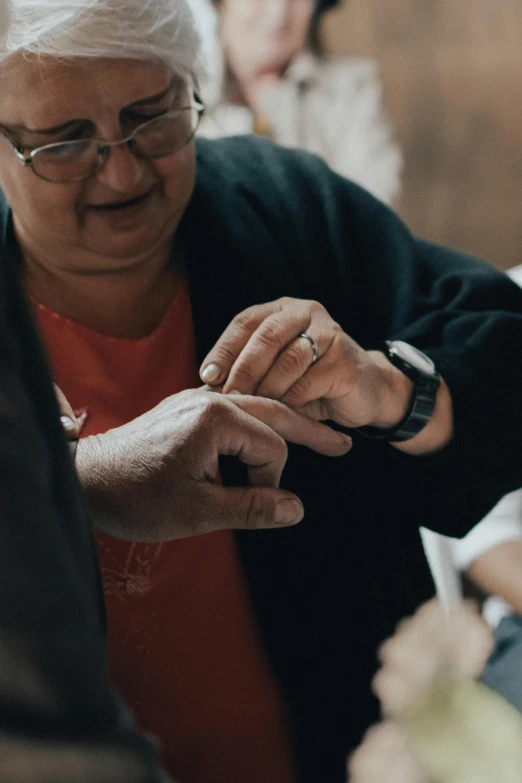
x=155, y=264
x=279, y=82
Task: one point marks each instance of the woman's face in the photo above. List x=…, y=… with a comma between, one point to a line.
x=264, y=35
x=129, y=207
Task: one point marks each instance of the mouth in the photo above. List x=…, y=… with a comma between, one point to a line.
x=121, y=206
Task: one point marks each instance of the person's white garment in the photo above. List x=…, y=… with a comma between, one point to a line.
x=448, y=557
x=207, y=23
x=516, y=274
x=332, y=107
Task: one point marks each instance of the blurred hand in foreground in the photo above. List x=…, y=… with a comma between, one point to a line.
x=442, y=727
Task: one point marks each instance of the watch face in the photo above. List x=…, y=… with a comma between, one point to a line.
x=413, y=356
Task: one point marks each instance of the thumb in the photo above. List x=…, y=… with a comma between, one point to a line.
x=67, y=417
x=249, y=508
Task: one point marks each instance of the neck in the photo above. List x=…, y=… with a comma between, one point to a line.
x=128, y=302
x=249, y=89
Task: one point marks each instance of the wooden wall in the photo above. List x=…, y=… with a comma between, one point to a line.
x=452, y=71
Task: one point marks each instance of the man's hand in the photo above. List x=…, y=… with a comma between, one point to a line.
x=155, y=478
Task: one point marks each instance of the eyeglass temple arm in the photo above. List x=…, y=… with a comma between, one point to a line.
x=18, y=148
x=24, y=160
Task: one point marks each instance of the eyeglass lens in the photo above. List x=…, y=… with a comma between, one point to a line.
x=74, y=160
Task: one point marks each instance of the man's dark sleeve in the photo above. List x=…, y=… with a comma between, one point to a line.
x=58, y=711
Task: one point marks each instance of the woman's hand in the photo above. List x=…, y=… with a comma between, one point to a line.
x=154, y=478
x=261, y=352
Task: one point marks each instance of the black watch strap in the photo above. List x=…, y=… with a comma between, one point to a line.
x=421, y=407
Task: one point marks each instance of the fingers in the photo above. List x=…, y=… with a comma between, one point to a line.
x=334, y=377
x=411, y=659
x=385, y=757
x=247, y=508
x=469, y=640
x=273, y=342
x=216, y=366
x=294, y=427
x=261, y=351
x=255, y=430
x=257, y=445
x=236, y=432
x=291, y=364
x=67, y=417
x=426, y=644
x=398, y=686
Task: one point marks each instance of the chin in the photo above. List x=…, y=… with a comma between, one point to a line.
x=135, y=240
x=124, y=249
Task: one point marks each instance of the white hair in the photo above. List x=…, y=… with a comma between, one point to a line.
x=153, y=30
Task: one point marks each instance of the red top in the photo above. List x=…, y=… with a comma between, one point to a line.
x=184, y=650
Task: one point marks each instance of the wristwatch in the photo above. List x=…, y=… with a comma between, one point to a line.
x=422, y=371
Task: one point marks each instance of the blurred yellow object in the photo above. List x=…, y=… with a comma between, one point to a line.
x=462, y=732
x=262, y=126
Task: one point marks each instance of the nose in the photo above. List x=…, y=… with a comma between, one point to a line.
x=122, y=169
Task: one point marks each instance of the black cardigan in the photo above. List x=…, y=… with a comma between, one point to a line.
x=266, y=222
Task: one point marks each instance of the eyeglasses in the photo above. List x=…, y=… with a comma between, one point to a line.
x=71, y=161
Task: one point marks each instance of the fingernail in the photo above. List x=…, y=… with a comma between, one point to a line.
x=234, y=391
x=345, y=439
x=211, y=374
x=69, y=425
x=288, y=512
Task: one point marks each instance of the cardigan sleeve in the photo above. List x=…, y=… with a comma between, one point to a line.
x=468, y=317
x=301, y=230
x=354, y=255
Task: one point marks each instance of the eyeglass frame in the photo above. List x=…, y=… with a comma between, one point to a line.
x=104, y=146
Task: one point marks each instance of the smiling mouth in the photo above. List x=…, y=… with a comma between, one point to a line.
x=119, y=206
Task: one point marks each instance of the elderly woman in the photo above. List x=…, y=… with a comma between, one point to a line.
x=153, y=265
x=279, y=82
